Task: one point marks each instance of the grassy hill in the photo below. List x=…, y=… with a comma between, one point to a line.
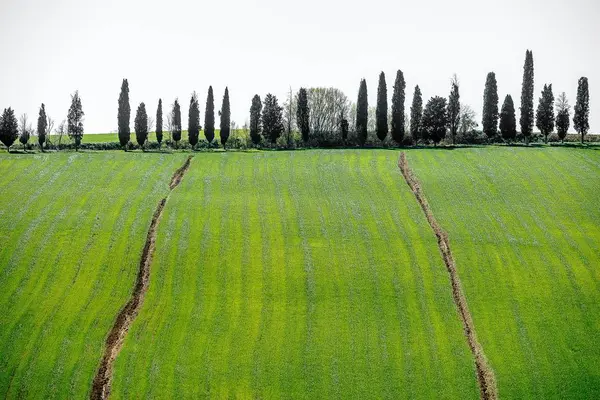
x=301, y=274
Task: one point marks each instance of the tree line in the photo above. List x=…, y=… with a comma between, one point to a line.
x=325, y=116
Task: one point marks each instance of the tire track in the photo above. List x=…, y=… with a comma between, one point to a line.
x=485, y=374
x=114, y=342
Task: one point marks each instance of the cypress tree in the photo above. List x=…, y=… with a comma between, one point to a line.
x=582, y=108
x=42, y=125
x=508, y=121
x=124, y=115
x=490, y=106
x=225, y=118
x=562, y=116
x=255, y=119
x=193, y=121
x=176, y=122
x=272, y=118
x=398, y=108
x=75, y=120
x=303, y=114
x=435, y=119
x=159, y=121
x=454, y=109
x=545, y=112
x=343, y=126
x=141, y=125
x=526, y=120
x=382, y=108
x=209, y=116
x=416, y=113
x=362, y=113
x=9, y=128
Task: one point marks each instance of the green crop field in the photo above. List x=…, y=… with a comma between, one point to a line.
x=307, y=274
x=524, y=226
x=301, y=274
x=72, y=228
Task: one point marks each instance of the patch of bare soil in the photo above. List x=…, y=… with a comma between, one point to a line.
x=116, y=336
x=485, y=374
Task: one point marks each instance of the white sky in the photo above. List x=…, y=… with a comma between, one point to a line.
x=170, y=48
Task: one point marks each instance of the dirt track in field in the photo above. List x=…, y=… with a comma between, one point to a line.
x=485, y=374
x=114, y=341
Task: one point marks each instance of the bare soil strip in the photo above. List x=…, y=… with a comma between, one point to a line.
x=116, y=336
x=485, y=374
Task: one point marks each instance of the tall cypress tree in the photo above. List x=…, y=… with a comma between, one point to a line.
x=362, y=113
x=193, y=120
x=562, y=116
x=382, y=108
x=75, y=120
x=209, y=116
x=454, y=109
x=141, y=125
x=545, y=112
x=526, y=120
x=9, y=128
x=124, y=115
x=416, y=114
x=42, y=125
x=398, y=108
x=176, y=122
x=303, y=114
x=490, y=106
x=508, y=121
x=159, y=123
x=582, y=108
x=225, y=118
x=255, y=119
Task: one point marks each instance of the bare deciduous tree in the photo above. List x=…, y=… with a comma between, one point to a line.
x=326, y=105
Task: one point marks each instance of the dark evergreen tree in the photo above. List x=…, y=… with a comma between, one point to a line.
x=225, y=118
x=562, y=116
x=344, y=126
x=124, y=115
x=581, y=121
x=398, y=108
x=75, y=120
x=454, y=109
x=141, y=125
x=272, y=118
x=381, y=112
x=526, y=120
x=508, y=120
x=416, y=113
x=255, y=119
x=490, y=106
x=545, y=112
x=9, y=128
x=42, y=126
x=159, y=123
x=193, y=120
x=362, y=113
x=209, y=116
x=435, y=119
x=176, y=122
x=303, y=114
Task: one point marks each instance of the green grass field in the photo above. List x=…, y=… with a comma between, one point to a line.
x=296, y=274
x=72, y=228
x=524, y=226
x=302, y=274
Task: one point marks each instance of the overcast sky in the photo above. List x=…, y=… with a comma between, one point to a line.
x=170, y=48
